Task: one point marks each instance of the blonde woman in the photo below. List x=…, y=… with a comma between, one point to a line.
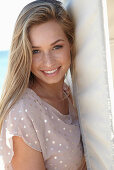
x=39, y=126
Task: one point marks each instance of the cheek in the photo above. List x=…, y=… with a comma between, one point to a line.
x=67, y=57
x=34, y=63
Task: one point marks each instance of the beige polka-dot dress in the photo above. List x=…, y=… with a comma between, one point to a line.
x=45, y=129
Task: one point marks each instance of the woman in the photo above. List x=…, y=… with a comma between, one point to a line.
x=39, y=126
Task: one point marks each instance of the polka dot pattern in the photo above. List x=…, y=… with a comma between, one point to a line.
x=44, y=129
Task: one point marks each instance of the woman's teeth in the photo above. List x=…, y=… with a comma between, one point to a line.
x=50, y=72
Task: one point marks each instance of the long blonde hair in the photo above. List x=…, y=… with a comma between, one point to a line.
x=20, y=57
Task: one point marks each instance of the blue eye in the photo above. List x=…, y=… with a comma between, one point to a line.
x=57, y=47
x=35, y=51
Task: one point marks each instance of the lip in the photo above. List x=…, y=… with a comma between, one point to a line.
x=51, y=74
x=50, y=69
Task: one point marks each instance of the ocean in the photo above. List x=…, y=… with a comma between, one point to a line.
x=3, y=67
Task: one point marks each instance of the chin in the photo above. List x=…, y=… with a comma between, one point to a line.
x=52, y=81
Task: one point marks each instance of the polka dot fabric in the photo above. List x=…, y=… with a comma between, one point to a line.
x=44, y=129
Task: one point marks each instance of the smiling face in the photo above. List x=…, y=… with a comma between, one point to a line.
x=51, y=52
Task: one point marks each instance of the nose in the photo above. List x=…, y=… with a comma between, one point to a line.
x=48, y=60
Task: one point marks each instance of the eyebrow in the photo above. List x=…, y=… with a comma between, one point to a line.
x=51, y=44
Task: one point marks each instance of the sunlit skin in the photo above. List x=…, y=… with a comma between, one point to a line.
x=51, y=52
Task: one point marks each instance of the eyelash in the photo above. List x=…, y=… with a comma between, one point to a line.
x=56, y=48
x=35, y=51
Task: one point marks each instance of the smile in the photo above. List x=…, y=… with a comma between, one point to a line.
x=51, y=72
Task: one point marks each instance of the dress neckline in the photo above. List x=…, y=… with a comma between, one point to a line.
x=47, y=104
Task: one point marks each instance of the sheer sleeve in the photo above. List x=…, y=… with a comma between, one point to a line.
x=17, y=123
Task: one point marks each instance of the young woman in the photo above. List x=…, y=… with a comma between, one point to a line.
x=39, y=126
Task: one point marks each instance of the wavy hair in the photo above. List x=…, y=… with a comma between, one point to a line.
x=20, y=56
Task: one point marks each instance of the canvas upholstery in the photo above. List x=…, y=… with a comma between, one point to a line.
x=110, y=7
x=93, y=81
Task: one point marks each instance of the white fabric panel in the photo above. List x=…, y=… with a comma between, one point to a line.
x=110, y=6
x=93, y=83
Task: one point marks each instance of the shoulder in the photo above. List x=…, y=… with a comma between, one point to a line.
x=23, y=119
x=25, y=106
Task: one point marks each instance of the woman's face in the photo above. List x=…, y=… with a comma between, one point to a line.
x=51, y=52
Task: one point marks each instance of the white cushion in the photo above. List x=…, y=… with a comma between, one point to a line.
x=93, y=84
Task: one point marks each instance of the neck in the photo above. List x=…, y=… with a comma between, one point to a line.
x=49, y=91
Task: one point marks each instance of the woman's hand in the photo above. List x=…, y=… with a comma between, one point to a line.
x=83, y=164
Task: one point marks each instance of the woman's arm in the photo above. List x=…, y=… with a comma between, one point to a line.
x=26, y=158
